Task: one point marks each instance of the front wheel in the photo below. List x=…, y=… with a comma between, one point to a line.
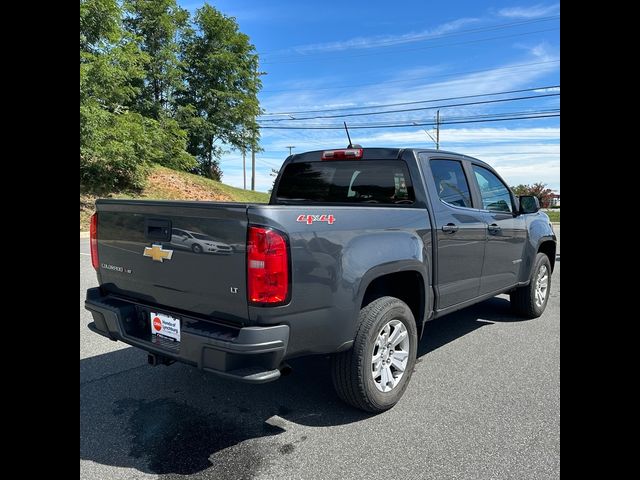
x=375, y=372
x=196, y=248
x=531, y=300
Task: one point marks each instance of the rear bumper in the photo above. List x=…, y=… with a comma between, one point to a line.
x=250, y=354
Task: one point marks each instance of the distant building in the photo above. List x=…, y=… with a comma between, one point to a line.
x=555, y=200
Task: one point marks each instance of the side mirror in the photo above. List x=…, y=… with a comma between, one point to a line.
x=529, y=204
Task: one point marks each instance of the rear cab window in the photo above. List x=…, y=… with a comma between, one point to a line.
x=385, y=182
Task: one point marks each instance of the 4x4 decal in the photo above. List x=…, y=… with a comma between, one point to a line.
x=309, y=219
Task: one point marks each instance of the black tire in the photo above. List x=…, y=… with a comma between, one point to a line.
x=196, y=248
x=352, y=370
x=523, y=299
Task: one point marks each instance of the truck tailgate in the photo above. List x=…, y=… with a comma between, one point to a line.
x=183, y=255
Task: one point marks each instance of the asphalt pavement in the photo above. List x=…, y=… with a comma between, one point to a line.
x=483, y=403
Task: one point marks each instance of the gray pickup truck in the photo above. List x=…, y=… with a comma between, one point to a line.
x=355, y=251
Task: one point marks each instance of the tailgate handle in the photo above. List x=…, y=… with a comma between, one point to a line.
x=158, y=229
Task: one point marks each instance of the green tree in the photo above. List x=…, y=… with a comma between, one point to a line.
x=157, y=24
x=117, y=144
x=538, y=189
x=137, y=59
x=219, y=101
x=99, y=21
x=111, y=65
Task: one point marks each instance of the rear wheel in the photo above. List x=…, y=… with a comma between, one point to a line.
x=531, y=300
x=373, y=375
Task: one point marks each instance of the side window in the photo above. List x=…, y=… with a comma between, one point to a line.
x=451, y=183
x=495, y=195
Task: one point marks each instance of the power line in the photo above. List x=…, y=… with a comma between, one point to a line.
x=408, y=79
x=415, y=102
x=415, y=121
x=414, y=124
x=422, y=121
x=266, y=163
x=484, y=102
x=487, y=115
x=469, y=42
x=511, y=153
x=411, y=122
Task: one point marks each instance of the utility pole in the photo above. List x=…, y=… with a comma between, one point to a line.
x=253, y=147
x=253, y=167
x=430, y=136
x=290, y=147
x=244, y=170
x=438, y=130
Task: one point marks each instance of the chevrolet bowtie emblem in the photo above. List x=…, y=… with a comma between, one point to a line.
x=158, y=253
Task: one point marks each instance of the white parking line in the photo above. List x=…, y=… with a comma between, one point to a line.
x=87, y=254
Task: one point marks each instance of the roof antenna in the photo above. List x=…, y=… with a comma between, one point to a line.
x=348, y=136
x=351, y=145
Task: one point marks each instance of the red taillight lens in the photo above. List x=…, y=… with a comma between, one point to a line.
x=267, y=266
x=93, y=239
x=347, y=154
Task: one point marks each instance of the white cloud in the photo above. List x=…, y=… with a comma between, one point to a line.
x=521, y=161
x=463, y=135
x=525, y=154
x=547, y=90
x=382, y=40
x=533, y=11
x=539, y=171
x=449, y=137
x=498, y=135
x=504, y=77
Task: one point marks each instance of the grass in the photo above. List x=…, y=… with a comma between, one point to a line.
x=166, y=184
x=554, y=216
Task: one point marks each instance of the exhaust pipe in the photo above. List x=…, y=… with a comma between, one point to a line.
x=285, y=369
x=155, y=360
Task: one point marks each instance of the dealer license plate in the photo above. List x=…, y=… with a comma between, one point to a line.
x=165, y=326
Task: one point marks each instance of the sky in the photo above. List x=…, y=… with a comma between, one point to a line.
x=354, y=58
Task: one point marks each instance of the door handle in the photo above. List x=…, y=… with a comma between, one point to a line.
x=450, y=228
x=494, y=228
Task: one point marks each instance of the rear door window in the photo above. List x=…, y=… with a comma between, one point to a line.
x=451, y=183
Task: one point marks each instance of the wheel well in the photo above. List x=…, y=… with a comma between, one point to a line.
x=549, y=249
x=407, y=286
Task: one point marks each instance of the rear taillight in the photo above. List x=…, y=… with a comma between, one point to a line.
x=345, y=154
x=267, y=266
x=93, y=239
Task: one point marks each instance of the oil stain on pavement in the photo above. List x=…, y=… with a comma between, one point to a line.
x=177, y=439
